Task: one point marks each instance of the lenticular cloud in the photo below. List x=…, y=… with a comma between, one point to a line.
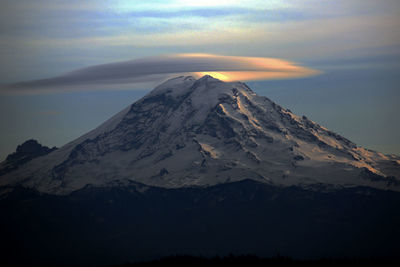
x=155, y=69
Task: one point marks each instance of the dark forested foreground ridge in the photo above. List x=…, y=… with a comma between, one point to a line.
x=253, y=260
x=113, y=225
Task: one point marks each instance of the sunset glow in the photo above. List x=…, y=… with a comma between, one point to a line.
x=251, y=68
x=233, y=76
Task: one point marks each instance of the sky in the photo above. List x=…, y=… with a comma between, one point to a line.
x=346, y=54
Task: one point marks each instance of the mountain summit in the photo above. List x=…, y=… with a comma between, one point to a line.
x=189, y=132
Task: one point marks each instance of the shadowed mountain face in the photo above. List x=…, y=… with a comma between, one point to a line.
x=25, y=152
x=200, y=167
x=204, y=132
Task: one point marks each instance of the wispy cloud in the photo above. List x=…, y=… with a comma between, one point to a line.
x=228, y=68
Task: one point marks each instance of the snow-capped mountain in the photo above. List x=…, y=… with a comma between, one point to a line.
x=198, y=167
x=189, y=132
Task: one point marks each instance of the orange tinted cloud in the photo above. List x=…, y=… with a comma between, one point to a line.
x=232, y=76
x=251, y=68
x=158, y=68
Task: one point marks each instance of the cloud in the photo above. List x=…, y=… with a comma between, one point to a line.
x=44, y=37
x=151, y=69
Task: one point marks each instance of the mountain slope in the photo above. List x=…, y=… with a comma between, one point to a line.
x=189, y=132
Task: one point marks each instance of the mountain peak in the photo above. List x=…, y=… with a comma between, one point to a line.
x=208, y=77
x=28, y=150
x=24, y=153
x=206, y=87
x=208, y=81
x=174, y=86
